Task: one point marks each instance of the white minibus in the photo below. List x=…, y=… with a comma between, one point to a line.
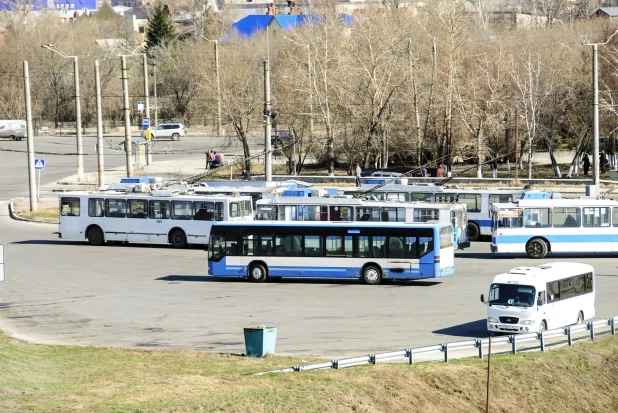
x=550, y=296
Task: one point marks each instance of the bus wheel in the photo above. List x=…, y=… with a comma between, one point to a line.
x=257, y=273
x=95, y=236
x=178, y=239
x=474, y=232
x=536, y=248
x=580, y=318
x=543, y=326
x=372, y=275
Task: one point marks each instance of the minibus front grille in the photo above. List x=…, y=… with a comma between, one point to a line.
x=509, y=320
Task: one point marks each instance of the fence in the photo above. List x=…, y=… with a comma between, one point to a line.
x=412, y=355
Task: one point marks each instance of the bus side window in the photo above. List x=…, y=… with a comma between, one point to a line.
x=553, y=291
x=541, y=298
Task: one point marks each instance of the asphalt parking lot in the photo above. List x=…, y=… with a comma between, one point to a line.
x=153, y=296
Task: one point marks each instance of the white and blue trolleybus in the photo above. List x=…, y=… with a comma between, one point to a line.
x=538, y=227
x=550, y=296
x=478, y=201
x=290, y=208
x=157, y=216
x=371, y=251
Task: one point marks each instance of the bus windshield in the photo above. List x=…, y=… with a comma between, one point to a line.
x=512, y=295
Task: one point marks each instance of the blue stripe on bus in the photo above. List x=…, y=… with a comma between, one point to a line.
x=481, y=222
x=522, y=239
x=333, y=272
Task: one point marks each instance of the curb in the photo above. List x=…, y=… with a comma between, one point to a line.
x=18, y=218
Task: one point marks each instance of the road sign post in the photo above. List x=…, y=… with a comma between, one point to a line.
x=1, y=263
x=146, y=128
x=39, y=165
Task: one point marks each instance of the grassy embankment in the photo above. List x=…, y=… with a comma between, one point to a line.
x=41, y=214
x=66, y=378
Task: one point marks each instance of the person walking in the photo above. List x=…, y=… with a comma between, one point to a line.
x=357, y=173
x=602, y=161
x=586, y=164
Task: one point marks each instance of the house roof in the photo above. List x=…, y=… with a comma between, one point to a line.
x=610, y=11
x=253, y=24
x=250, y=25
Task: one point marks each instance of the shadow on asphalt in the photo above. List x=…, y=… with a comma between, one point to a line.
x=111, y=244
x=551, y=256
x=48, y=242
x=291, y=280
x=473, y=329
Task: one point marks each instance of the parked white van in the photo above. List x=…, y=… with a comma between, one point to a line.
x=528, y=299
x=15, y=130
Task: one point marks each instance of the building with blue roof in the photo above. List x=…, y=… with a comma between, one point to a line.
x=256, y=24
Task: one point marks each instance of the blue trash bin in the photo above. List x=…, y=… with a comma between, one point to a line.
x=260, y=341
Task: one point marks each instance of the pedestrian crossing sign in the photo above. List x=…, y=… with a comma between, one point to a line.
x=39, y=164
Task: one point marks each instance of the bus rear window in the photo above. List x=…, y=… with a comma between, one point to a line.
x=446, y=237
x=69, y=207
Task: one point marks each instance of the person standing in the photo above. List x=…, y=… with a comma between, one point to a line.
x=494, y=168
x=357, y=173
x=602, y=161
x=586, y=164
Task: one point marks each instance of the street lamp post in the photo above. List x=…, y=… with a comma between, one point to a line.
x=128, y=145
x=216, y=44
x=154, y=80
x=267, y=124
x=78, y=112
x=595, y=107
x=100, y=161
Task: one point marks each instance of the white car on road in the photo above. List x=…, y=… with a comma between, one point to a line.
x=172, y=130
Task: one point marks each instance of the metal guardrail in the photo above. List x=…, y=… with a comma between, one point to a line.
x=411, y=354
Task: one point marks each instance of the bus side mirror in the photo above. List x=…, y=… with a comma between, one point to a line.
x=483, y=298
x=539, y=302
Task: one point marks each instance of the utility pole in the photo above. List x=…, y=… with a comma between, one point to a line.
x=127, y=118
x=78, y=111
x=147, y=106
x=516, y=143
x=267, y=124
x=219, y=127
x=217, y=75
x=154, y=75
x=310, y=89
x=31, y=176
x=97, y=85
x=78, y=123
x=595, y=117
x=595, y=108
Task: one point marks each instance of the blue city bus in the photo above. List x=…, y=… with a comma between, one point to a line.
x=370, y=251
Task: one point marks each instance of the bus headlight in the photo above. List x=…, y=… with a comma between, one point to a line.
x=526, y=322
x=492, y=320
